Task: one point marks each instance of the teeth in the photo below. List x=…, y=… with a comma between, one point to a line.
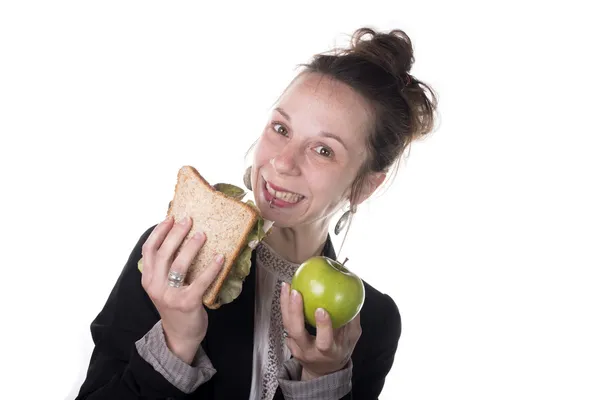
x=285, y=196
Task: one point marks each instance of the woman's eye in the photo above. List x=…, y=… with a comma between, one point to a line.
x=280, y=129
x=323, y=151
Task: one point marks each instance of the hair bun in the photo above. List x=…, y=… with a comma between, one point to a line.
x=391, y=51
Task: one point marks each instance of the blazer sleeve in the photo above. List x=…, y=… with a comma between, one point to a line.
x=116, y=369
x=368, y=381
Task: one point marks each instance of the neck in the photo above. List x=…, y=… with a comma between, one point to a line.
x=298, y=244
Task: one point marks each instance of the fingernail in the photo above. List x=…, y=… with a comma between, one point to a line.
x=167, y=219
x=198, y=235
x=320, y=313
x=219, y=258
x=295, y=294
x=184, y=220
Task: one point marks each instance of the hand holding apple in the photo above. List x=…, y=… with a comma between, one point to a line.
x=330, y=350
x=326, y=283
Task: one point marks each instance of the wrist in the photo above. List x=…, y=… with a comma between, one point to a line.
x=184, y=349
x=308, y=375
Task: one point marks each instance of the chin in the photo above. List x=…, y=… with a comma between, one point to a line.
x=280, y=220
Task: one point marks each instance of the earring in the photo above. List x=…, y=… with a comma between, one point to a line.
x=247, y=178
x=341, y=224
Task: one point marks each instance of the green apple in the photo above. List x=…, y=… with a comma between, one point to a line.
x=328, y=284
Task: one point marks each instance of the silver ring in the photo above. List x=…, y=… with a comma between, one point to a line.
x=285, y=334
x=175, y=279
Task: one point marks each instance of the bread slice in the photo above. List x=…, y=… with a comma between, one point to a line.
x=226, y=221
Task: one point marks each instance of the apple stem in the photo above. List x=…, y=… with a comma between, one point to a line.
x=345, y=261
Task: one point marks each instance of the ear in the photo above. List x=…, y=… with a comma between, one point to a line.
x=370, y=184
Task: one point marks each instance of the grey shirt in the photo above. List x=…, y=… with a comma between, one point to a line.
x=152, y=347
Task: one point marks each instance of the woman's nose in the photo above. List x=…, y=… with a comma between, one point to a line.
x=285, y=162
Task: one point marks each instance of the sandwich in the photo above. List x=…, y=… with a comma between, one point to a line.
x=233, y=227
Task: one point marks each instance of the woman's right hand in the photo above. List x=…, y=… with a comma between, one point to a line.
x=183, y=316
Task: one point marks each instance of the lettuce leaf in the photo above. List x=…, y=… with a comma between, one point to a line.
x=241, y=268
x=232, y=287
x=230, y=190
x=230, y=290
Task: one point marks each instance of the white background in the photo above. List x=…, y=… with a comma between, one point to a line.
x=487, y=239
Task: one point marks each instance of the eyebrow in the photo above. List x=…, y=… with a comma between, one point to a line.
x=325, y=134
x=286, y=115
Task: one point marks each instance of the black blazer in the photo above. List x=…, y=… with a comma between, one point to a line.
x=116, y=371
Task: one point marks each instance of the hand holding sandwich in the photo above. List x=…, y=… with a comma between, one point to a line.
x=183, y=315
x=329, y=351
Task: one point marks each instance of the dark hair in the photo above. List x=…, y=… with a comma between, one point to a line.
x=377, y=65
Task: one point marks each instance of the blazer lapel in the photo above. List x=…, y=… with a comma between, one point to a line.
x=229, y=342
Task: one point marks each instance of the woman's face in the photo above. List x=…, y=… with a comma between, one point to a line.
x=310, y=151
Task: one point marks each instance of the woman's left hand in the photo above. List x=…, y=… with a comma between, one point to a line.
x=324, y=354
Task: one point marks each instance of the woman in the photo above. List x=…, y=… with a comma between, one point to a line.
x=334, y=135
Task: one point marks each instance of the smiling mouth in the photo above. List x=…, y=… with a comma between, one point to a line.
x=288, y=197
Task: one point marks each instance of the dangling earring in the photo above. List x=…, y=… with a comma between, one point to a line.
x=341, y=224
x=247, y=178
